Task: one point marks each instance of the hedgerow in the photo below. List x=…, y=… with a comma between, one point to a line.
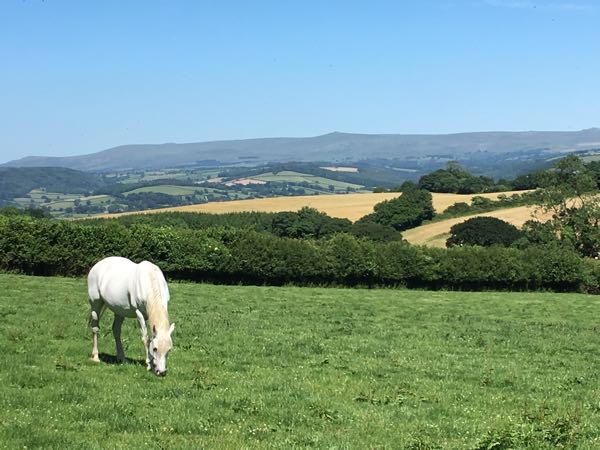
x=226, y=255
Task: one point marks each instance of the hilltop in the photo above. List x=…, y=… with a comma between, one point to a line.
x=333, y=147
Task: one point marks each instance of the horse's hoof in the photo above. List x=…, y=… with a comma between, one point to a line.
x=95, y=359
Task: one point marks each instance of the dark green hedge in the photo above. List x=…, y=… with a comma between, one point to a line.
x=47, y=247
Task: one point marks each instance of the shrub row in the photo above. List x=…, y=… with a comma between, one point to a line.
x=46, y=247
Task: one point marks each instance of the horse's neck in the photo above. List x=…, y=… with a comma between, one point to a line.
x=157, y=316
x=156, y=307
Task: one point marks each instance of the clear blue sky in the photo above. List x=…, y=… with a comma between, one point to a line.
x=80, y=76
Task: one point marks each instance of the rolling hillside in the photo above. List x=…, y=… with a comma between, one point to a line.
x=18, y=182
x=333, y=147
x=435, y=234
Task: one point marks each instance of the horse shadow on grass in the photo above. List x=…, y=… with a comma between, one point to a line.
x=112, y=359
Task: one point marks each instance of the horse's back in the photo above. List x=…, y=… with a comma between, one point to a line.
x=110, y=280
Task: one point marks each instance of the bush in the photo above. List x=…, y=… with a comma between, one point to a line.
x=483, y=268
x=484, y=231
x=374, y=231
x=401, y=264
x=458, y=209
x=558, y=268
x=349, y=260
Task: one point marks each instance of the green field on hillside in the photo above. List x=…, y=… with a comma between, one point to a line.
x=153, y=175
x=167, y=189
x=297, y=177
x=56, y=202
x=272, y=367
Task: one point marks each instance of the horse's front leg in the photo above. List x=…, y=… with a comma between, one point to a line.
x=144, y=331
x=116, y=329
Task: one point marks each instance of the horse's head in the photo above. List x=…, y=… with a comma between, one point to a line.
x=159, y=348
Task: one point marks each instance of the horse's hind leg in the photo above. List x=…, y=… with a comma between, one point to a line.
x=97, y=307
x=116, y=329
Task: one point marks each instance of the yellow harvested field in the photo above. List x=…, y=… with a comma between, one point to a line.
x=349, y=206
x=442, y=201
x=435, y=234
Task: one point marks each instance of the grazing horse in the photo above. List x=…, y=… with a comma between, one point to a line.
x=137, y=291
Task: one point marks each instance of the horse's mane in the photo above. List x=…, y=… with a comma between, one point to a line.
x=155, y=305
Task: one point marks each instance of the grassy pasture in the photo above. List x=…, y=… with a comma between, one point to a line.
x=166, y=189
x=257, y=367
x=297, y=177
x=136, y=177
x=59, y=200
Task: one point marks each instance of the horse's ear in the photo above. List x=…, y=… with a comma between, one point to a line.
x=171, y=328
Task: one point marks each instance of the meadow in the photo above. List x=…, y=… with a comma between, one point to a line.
x=286, y=367
x=287, y=176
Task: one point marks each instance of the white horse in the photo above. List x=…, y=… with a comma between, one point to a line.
x=137, y=291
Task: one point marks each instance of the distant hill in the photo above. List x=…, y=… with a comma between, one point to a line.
x=18, y=181
x=333, y=147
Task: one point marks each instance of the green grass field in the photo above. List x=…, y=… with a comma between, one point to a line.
x=59, y=201
x=167, y=189
x=136, y=177
x=297, y=177
x=270, y=367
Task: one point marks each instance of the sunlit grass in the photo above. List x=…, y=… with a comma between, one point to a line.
x=257, y=367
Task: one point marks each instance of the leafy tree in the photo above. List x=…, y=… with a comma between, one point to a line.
x=527, y=181
x=570, y=195
x=455, y=178
x=440, y=181
x=308, y=222
x=483, y=231
x=594, y=168
x=474, y=185
x=537, y=233
x=404, y=212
